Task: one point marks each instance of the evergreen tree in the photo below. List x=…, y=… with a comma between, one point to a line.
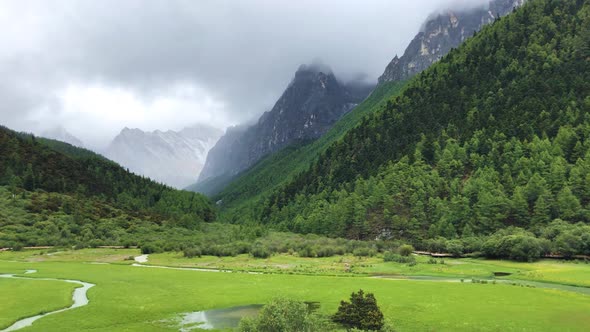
x=362, y=312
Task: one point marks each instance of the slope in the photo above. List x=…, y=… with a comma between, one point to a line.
x=310, y=105
x=29, y=164
x=257, y=182
x=440, y=34
x=493, y=136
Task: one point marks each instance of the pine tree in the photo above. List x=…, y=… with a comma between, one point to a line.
x=520, y=207
x=568, y=205
x=362, y=312
x=541, y=211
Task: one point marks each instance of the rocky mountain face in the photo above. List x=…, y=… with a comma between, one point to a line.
x=171, y=157
x=311, y=104
x=440, y=34
x=61, y=134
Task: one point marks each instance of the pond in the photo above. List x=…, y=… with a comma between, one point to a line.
x=216, y=319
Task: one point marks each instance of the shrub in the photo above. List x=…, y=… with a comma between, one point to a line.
x=364, y=252
x=284, y=315
x=362, y=312
x=521, y=246
x=150, y=248
x=192, y=252
x=437, y=245
x=325, y=251
x=307, y=251
x=260, y=251
x=393, y=257
x=405, y=250
x=455, y=247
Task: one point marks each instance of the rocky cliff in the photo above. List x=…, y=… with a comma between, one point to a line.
x=440, y=34
x=311, y=104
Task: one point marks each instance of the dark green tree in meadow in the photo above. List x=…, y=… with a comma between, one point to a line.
x=362, y=312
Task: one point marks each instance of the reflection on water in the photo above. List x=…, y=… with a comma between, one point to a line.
x=217, y=319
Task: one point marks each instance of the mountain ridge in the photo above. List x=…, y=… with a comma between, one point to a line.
x=312, y=102
x=439, y=34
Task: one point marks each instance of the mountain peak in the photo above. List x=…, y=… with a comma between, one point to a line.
x=311, y=104
x=172, y=157
x=442, y=32
x=316, y=67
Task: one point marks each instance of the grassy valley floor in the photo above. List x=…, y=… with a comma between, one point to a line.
x=131, y=298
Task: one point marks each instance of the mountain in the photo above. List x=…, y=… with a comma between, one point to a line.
x=259, y=180
x=491, y=141
x=61, y=134
x=440, y=34
x=274, y=170
x=171, y=157
x=75, y=197
x=311, y=104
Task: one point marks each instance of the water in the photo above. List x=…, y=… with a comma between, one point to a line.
x=228, y=318
x=514, y=282
x=141, y=259
x=78, y=297
x=189, y=269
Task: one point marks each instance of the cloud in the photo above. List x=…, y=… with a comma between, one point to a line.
x=97, y=66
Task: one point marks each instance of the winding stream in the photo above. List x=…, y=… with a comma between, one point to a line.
x=79, y=297
x=144, y=258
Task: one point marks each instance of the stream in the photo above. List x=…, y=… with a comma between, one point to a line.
x=79, y=297
x=144, y=258
x=514, y=282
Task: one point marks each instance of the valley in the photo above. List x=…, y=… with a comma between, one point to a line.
x=454, y=195
x=133, y=298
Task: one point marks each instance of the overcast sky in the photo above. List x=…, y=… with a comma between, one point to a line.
x=96, y=66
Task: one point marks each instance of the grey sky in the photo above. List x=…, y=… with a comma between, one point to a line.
x=95, y=67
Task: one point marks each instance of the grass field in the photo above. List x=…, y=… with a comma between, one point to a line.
x=20, y=298
x=128, y=298
x=571, y=273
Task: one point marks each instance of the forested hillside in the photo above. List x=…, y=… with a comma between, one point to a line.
x=29, y=165
x=277, y=169
x=495, y=135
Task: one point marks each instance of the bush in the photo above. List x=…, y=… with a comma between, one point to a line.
x=328, y=251
x=438, y=245
x=284, y=315
x=192, y=252
x=364, y=252
x=307, y=251
x=393, y=257
x=405, y=250
x=455, y=248
x=260, y=251
x=521, y=247
x=150, y=248
x=362, y=312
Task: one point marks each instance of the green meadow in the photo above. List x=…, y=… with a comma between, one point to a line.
x=21, y=298
x=132, y=298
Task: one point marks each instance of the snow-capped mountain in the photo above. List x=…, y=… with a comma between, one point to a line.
x=173, y=157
